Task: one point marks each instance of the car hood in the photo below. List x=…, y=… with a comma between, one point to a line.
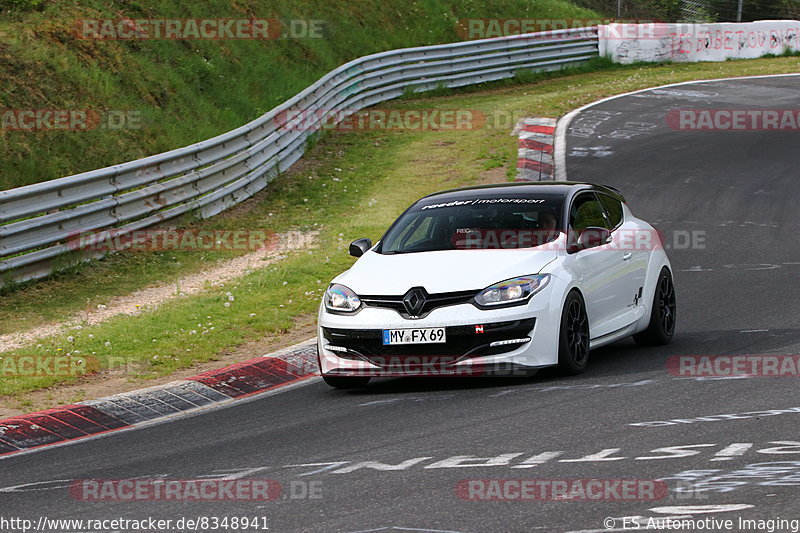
x=441, y=271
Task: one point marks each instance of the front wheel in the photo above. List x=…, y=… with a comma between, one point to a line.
x=346, y=382
x=662, y=316
x=573, y=339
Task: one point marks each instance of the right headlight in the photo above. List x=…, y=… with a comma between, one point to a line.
x=512, y=291
x=341, y=299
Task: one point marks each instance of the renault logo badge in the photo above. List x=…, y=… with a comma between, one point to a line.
x=414, y=301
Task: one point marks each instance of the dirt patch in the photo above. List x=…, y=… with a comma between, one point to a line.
x=150, y=298
x=494, y=175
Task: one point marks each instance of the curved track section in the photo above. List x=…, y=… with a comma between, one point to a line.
x=393, y=457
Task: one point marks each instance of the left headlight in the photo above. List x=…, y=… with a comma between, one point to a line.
x=512, y=291
x=341, y=299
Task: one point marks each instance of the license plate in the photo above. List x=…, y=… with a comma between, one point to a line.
x=413, y=336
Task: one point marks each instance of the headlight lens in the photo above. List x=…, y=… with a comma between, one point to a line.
x=341, y=299
x=512, y=291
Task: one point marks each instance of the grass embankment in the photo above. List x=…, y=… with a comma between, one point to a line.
x=351, y=185
x=184, y=91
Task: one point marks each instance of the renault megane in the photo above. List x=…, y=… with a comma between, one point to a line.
x=496, y=279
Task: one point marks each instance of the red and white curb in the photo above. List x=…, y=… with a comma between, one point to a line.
x=535, y=153
x=121, y=411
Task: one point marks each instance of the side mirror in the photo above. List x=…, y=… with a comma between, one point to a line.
x=359, y=247
x=592, y=237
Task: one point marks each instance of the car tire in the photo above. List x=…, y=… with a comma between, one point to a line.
x=661, y=327
x=346, y=382
x=573, y=338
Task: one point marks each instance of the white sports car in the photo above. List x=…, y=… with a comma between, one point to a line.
x=494, y=280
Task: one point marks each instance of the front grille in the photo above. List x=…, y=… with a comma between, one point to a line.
x=462, y=342
x=432, y=301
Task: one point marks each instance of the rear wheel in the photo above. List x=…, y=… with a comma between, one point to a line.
x=573, y=341
x=346, y=382
x=662, y=317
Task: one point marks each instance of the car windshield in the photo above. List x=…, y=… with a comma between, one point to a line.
x=483, y=222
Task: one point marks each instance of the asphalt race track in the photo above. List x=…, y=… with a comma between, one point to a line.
x=732, y=196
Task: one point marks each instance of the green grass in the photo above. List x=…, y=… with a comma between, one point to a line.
x=187, y=91
x=352, y=185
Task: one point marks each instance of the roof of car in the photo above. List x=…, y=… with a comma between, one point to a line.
x=536, y=187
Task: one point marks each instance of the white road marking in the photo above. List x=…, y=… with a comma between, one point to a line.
x=769, y=474
x=400, y=528
x=325, y=467
x=560, y=144
x=425, y=530
x=374, y=465
x=702, y=509
x=466, y=461
x=537, y=460
x=379, y=402
x=717, y=418
x=602, y=455
x=431, y=397
x=237, y=473
x=675, y=451
x=780, y=448
x=593, y=151
x=583, y=386
x=753, y=266
x=732, y=451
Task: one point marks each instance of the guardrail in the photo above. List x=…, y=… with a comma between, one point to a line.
x=37, y=221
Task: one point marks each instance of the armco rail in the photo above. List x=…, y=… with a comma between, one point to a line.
x=36, y=221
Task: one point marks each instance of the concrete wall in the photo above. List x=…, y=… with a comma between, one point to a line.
x=627, y=43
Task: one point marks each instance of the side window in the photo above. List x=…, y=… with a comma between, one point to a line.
x=412, y=233
x=421, y=233
x=587, y=211
x=613, y=209
x=401, y=238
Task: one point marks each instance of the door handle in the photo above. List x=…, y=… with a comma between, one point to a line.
x=627, y=256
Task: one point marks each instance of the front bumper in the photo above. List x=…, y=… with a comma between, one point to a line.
x=463, y=342
x=352, y=345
